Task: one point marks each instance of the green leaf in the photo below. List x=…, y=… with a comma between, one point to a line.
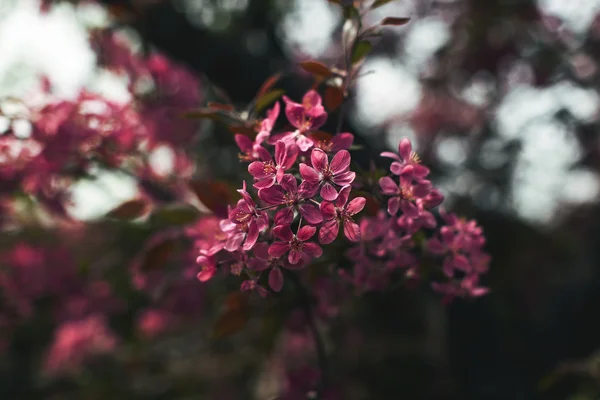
x=267, y=99
x=379, y=3
x=361, y=50
x=181, y=214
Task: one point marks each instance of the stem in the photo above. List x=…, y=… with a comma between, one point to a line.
x=321, y=354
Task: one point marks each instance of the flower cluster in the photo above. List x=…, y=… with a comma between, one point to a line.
x=302, y=187
x=461, y=243
x=66, y=139
x=304, y=196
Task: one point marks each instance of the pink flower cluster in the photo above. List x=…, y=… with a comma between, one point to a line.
x=461, y=243
x=68, y=138
x=301, y=200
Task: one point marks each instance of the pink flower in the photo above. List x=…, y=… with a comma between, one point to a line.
x=263, y=261
x=338, y=213
x=76, y=341
x=324, y=175
x=245, y=222
x=405, y=194
x=332, y=144
x=266, y=173
x=304, y=117
x=289, y=195
x=208, y=263
x=268, y=123
x=408, y=163
x=297, y=245
x=252, y=284
x=251, y=151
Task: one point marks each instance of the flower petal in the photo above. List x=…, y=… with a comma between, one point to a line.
x=278, y=249
x=306, y=232
x=313, y=249
x=294, y=256
x=309, y=174
x=272, y=195
x=404, y=149
x=328, y=210
x=393, y=205
x=319, y=160
x=283, y=232
x=251, y=237
x=388, y=186
x=345, y=178
x=352, y=231
x=340, y=162
x=328, y=192
x=311, y=213
x=342, y=141
x=343, y=196
x=289, y=184
x=276, y=279
x=356, y=205
x=329, y=231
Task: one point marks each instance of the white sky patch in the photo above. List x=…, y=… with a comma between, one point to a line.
x=387, y=91
x=93, y=199
x=309, y=26
x=425, y=37
x=578, y=15
x=162, y=160
x=452, y=150
x=542, y=171
x=33, y=44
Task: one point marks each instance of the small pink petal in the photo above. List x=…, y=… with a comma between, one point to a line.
x=393, y=205
x=283, y=232
x=356, y=205
x=308, y=173
x=388, y=186
x=276, y=279
x=352, y=231
x=311, y=214
x=404, y=149
x=345, y=178
x=313, y=249
x=278, y=249
x=328, y=192
x=340, y=162
x=306, y=232
x=328, y=210
x=329, y=231
x=318, y=159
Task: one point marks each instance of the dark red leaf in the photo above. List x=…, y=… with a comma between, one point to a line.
x=129, y=210
x=395, y=21
x=213, y=195
x=316, y=68
x=334, y=97
x=220, y=106
x=269, y=83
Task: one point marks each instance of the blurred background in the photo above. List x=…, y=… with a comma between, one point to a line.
x=500, y=97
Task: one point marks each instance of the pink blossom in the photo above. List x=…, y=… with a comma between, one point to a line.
x=245, y=222
x=251, y=150
x=262, y=261
x=405, y=194
x=297, y=245
x=252, y=284
x=304, y=117
x=76, y=341
x=325, y=175
x=266, y=173
x=332, y=144
x=293, y=198
x=339, y=212
x=408, y=162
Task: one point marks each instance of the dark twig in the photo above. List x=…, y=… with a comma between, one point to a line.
x=321, y=355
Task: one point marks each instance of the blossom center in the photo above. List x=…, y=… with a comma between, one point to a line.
x=296, y=245
x=269, y=168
